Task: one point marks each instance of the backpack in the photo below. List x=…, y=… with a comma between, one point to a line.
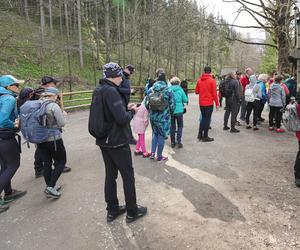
x=156, y=100
x=290, y=118
x=249, y=96
x=96, y=125
x=33, y=121
x=225, y=88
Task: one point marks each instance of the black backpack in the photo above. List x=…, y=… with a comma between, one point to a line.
x=97, y=126
x=225, y=88
x=156, y=100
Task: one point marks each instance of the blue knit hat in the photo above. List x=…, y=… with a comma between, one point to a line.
x=112, y=70
x=51, y=90
x=8, y=80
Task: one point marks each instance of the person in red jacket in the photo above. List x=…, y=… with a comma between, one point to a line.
x=207, y=89
x=244, y=82
x=297, y=162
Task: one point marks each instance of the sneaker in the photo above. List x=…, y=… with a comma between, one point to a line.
x=136, y=153
x=152, y=156
x=141, y=211
x=248, y=127
x=173, y=145
x=112, y=216
x=3, y=208
x=279, y=130
x=255, y=128
x=207, y=139
x=39, y=174
x=180, y=145
x=52, y=193
x=146, y=155
x=162, y=158
x=271, y=128
x=226, y=128
x=66, y=169
x=234, y=130
x=297, y=182
x=58, y=188
x=15, y=194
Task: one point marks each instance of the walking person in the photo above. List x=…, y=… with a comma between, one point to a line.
x=206, y=88
x=109, y=124
x=177, y=117
x=245, y=81
x=46, y=82
x=253, y=96
x=262, y=80
x=161, y=104
x=277, y=101
x=241, y=94
x=232, y=101
x=9, y=147
x=140, y=124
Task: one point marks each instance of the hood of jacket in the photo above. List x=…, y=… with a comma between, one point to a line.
x=4, y=91
x=252, y=81
x=205, y=76
x=176, y=88
x=275, y=86
x=159, y=85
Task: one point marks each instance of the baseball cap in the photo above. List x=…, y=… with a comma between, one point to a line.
x=47, y=79
x=8, y=80
x=112, y=70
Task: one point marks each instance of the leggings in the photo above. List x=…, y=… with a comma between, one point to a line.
x=140, y=145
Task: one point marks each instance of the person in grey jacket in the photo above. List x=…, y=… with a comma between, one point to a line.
x=257, y=93
x=53, y=149
x=276, y=101
x=232, y=102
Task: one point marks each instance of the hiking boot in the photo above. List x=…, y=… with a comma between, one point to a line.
x=39, y=173
x=297, y=182
x=146, y=155
x=141, y=211
x=162, y=158
x=173, y=145
x=15, y=194
x=52, y=193
x=180, y=145
x=66, y=169
x=248, y=127
x=111, y=216
x=136, y=153
x=255, y=128
x=3, y=208
x=207, y=139
x=226, y=128
x=234, y=130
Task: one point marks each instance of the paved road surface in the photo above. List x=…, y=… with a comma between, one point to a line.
x=234, y=193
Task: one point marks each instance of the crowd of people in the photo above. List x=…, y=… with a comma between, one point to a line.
x=38, y=115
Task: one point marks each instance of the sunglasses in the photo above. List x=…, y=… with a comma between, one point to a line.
x=15, y=84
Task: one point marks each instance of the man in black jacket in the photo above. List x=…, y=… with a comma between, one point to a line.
x=233, y=99
x=114, y=143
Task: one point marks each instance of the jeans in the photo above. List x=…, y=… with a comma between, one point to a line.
x=206, y=113
x=297, y=164
x=179, y=120
x=9, y=161
x=275, y=113
x=49, y=153
x=119, y=160
x=243, y=109
x=140, y=145
x=232, y=108
x=252, y=106
x=158, y=143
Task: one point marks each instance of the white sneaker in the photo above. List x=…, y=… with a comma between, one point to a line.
x=52, y=192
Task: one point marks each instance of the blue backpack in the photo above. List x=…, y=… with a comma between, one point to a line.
x=33, y=121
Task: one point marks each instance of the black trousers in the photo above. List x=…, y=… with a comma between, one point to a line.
x=119, y=159
x=297, y=164
x=260, y=109
x=206, y=112
x=255, y=107
x=179, y=120
x=277, y=114
x=49, y=153
x=9, y=161
x=232, y=108
x=38, y=161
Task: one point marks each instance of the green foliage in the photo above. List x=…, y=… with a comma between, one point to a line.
x=269, y=60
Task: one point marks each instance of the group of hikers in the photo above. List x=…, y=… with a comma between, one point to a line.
x=38, y=115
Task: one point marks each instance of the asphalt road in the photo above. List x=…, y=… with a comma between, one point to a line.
x=234, y=193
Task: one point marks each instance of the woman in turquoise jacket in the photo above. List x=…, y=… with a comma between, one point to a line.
x=9, y=147
x=177, y=116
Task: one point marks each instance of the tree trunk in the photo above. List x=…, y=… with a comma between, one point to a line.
x=50, y=17
x=107, y=30
x=26, y=11
x=79, y=34
x=119, y=34
x=124, y=35
x=97, y=34
x=42, y=27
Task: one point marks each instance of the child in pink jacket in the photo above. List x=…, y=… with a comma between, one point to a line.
x=140, y=124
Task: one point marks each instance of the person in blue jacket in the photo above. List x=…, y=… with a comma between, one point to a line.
x=262, y=80
x=9, y=147
x=177, y=116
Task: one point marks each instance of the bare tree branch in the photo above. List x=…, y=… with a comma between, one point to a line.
x=4, y=40
x=251, y=43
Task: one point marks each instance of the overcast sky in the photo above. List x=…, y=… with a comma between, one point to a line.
x=228, y=11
